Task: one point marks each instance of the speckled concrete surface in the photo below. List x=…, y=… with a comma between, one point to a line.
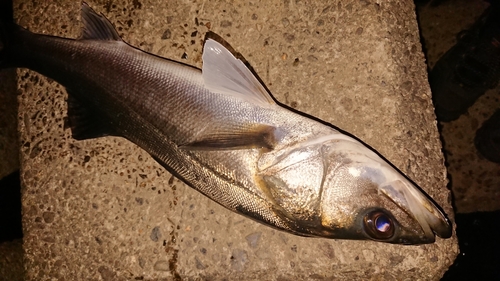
x=11, y=261
x=104, y=210
x=475, y=181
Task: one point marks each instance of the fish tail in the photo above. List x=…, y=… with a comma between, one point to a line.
x=8, y=29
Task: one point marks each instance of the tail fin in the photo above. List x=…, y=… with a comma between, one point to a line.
x=7, y=28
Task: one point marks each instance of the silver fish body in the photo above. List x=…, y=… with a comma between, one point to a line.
x=221, y=133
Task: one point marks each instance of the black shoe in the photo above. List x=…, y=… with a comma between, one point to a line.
x=487, y=138
x=469, y=68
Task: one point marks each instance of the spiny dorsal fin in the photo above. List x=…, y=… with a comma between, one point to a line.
x=225, y=74
x=97, y=27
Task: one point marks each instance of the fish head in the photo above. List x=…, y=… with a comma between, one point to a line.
x=365, y=197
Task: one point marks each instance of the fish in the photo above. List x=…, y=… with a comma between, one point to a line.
x=220, y=131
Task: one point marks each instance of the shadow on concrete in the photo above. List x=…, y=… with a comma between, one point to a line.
x=11, y=233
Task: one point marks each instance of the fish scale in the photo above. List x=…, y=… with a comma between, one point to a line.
x=221, y=132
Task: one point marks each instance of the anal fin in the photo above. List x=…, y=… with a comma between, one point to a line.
x=86, y=123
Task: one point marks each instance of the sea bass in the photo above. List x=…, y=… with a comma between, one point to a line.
x=219, y=131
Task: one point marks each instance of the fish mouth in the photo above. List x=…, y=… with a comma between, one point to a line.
x=420, y=207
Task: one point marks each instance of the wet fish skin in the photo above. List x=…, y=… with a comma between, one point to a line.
x=221, y=133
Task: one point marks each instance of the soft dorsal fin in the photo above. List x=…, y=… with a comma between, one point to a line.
x=97, y=27
x=223, y=73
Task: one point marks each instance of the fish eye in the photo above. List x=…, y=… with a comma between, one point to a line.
x=379, y=225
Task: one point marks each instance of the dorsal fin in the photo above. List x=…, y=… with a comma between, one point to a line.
x=225, y=74
x=97, y=27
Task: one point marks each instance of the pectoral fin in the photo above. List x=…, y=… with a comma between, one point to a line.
x=254, y=136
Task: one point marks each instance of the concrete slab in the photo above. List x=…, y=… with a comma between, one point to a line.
x=11, y=261
x=104, y=210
